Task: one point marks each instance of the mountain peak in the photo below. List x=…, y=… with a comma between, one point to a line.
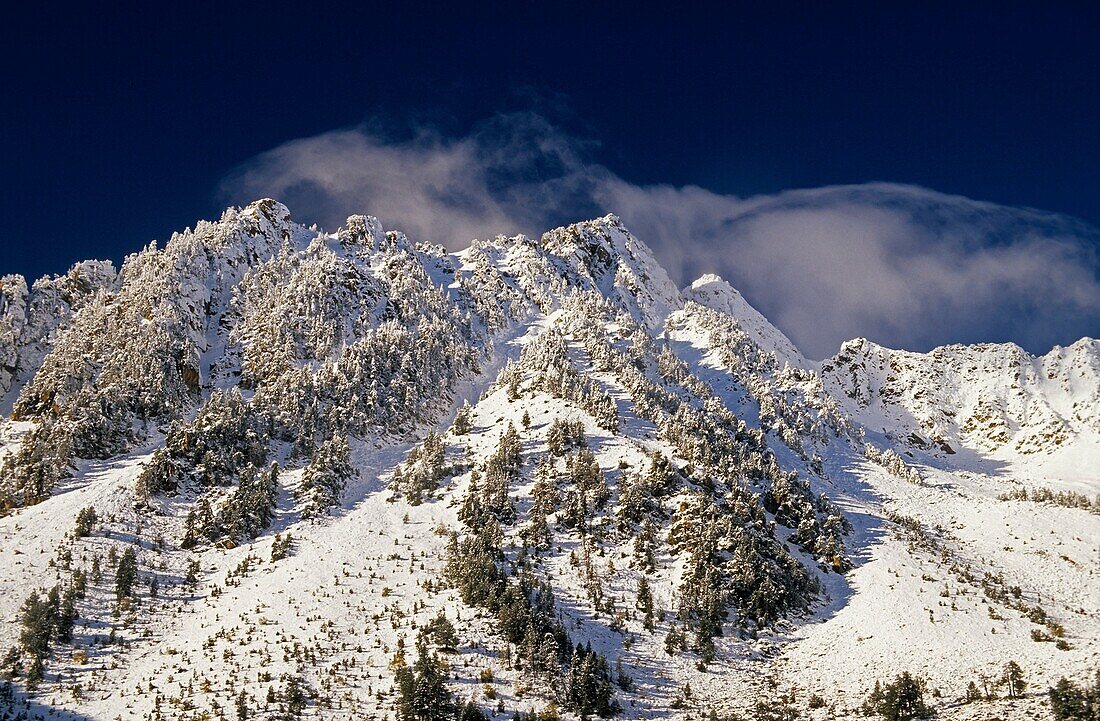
x=711, y=291
x=604, y=256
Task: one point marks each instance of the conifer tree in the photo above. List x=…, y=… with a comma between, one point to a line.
x=326, y=476
x=85, y=521
x=900, y=700
x=126, y=574
x=295, y=696
x=66, y=616
x=422, y=694
x=463, y=422
x=588, y=689
x=242, y=706
x=973, y=693
x=1070, y=702
x=1013, y=678
x=37, y=627
x=645, y=603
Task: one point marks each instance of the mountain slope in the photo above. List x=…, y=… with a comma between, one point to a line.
x=337, y=456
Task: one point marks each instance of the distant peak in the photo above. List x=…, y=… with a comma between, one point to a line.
x=270, y=209
x=711, y=279
x=364, y=230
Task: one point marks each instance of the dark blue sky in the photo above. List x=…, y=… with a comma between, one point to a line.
x=120, y=122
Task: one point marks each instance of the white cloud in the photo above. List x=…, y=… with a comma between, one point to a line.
x=902, y=265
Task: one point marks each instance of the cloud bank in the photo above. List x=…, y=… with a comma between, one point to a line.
x=904, y=266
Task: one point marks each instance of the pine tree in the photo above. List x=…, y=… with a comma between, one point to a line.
x=294, y=695
x=588, y=689
x=1013, y=679
x=1070, y=702
x=900, y=700
x=280, y=546
x=645, y=603
x=442, y=632
x=470, y=712
x=422, y=694
x=37, y=627
x=192, y=575
x=66, y=616
x=53, y=606
x=326, y=476
x=463, y=422
x=251, y=508
x=85, y=521
x=126, y=574
x=423, y=469
x=242, y=706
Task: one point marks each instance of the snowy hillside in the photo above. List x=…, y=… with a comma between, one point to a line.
x=266, y=471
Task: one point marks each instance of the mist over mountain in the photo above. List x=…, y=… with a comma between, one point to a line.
x=905, y=266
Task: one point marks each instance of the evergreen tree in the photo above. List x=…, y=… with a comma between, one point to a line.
x=423, y=469
x=900, y=700
x=645, y=603
x=471, y=712
x=588, y=690
x=126, y=574
x=463, y=422
x=251, y=508
x=280, y=546
x=37, y=627
x=442, y=632
x=85, y=521
x=422, y=694
x=1013, y=678
x=192, y=575
x=326, y=476
x=66, y=616
x=1070, y=702
x=295, y=695
x=53, y=606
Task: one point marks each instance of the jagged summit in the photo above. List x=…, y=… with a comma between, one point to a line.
x=604, y=254
x=286, y=470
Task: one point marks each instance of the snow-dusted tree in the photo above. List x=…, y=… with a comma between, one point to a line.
x=644, y=603
x=588, y=688
x=422, y=693
x=900, y=700
x=463, y=422
x=423, y=469
x=326, y=476
x=37, y=621
x=1013, y=679
x=251, y=507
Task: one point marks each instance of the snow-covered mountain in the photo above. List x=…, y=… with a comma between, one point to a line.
x=992, y=399
x=268, y=471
